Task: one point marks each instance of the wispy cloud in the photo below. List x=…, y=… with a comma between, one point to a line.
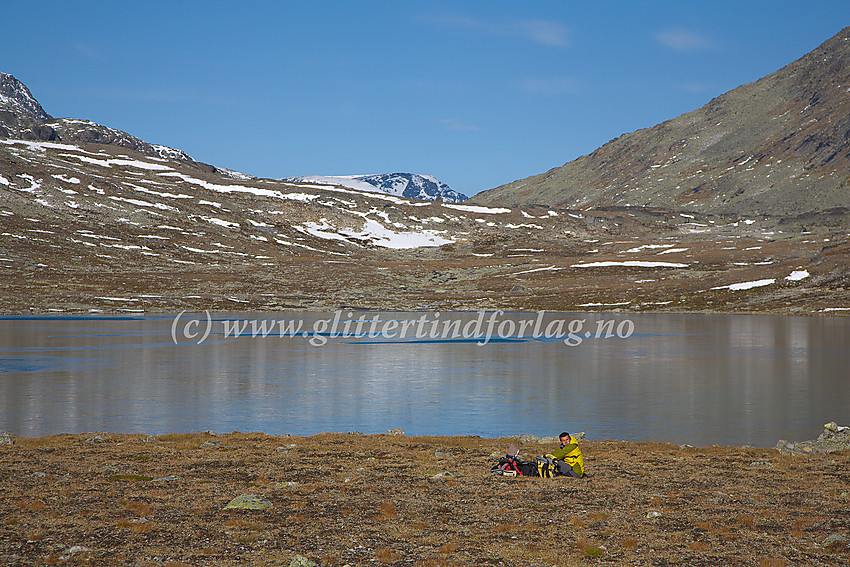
x=695, y=88
x=543, y=32
x=682, y=39
x=548, y=85
x=452, y=124
x=86, y=50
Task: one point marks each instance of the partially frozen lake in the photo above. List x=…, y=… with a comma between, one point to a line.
x=698, y=379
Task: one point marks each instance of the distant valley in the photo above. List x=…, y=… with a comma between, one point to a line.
x=740, y=206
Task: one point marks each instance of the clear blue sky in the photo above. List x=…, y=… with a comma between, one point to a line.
x=476, y=93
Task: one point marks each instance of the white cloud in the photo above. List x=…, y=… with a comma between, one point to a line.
x=695, y=88
x=543, y=32
x=452, y=124
x=682, y=39
x=86, y=50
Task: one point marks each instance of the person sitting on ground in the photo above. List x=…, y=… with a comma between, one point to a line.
x=570, y=460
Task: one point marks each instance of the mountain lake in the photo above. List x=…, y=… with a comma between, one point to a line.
x=683, y=378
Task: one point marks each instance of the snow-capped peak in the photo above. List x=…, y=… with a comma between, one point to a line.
x=410, y=185
x=15, y=96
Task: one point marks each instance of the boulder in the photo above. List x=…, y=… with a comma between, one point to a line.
x=834, y=438
x=836, y=541
x=248, y=502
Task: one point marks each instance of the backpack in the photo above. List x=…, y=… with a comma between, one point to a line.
x=547, y=467
x=508, y=466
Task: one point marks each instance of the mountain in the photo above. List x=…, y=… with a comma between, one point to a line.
x=780, y=145
x=22, y=117
x=410, y=185
x=16, y=100
x=93, y=219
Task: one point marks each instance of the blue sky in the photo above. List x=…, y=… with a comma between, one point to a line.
x=476, y=93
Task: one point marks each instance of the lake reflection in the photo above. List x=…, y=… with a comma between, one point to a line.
x=698, y=379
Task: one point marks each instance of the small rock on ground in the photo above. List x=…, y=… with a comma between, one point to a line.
x=248, y=502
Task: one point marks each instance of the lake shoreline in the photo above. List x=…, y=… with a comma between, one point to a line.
x=353, y=499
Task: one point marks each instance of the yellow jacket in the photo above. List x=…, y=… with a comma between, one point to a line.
x=571, y=454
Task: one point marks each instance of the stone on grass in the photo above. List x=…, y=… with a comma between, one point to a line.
x=166, y=478
x=248, y=502
x=834, y=438
x=78, y=549
x=837, y=541
x=526, y=438
x=6, y=439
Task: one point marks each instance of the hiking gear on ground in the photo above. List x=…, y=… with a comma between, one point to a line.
x=546, y=467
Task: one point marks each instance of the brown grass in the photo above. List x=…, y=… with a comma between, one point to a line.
x=31, y=504
x=138, y=508
x=138, y=527
x=629, y=542
x=804, y=522
x=596, y=517
x=387, y=511
x=387, y=555
x=506, y=527
x=403, y=516
x=589, y=549
x=577, y=523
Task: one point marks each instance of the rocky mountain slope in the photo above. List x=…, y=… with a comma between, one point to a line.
x=95, y=220
x=780, y=145
x=22, y=117
x=410, y=185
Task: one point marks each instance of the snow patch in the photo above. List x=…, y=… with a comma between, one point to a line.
x=747, y=285
x=220, y=222
x=647, y=247
x=377, y=234
x=477, y=209
x=631, y=264
x=797, y=275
